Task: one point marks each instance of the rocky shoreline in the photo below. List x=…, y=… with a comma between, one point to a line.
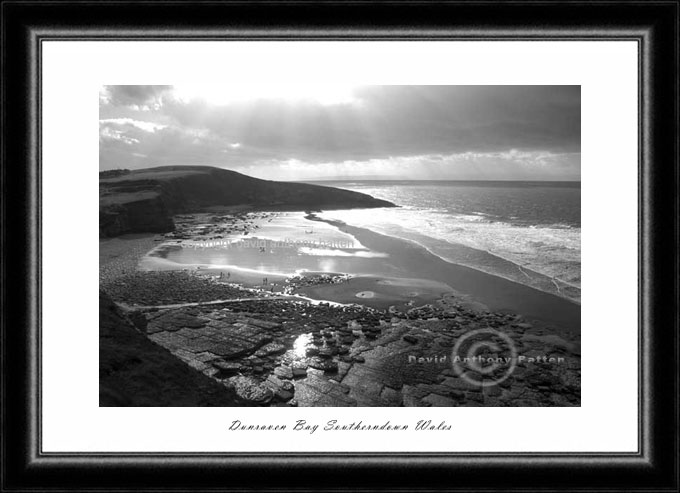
x=281, y=352
x=269, y=347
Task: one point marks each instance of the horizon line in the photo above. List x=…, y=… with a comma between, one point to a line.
x=435, y=179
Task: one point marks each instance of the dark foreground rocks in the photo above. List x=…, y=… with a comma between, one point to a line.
x=169, y=287
x=293, y=353
x=134, y=371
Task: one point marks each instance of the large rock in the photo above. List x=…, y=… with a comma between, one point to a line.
x=251, y=390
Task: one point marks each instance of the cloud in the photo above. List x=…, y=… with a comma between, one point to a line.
x=139, y=96
x=478, y=131
x=110, y=134
x=166, y=145
x=508, y=165
x=397, y=120
x=146, y=126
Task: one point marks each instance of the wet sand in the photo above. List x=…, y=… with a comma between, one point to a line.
x=390, y=258
x=230, y=274
x=379, y=292
x=121, y=255
x=498, y=294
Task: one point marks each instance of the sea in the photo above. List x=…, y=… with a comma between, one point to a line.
x=525, y=231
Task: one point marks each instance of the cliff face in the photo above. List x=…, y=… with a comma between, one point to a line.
x=145, y=200
x=134, y=371
x=146, y=215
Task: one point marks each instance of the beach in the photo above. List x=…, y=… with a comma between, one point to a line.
x=280, y=246
x=287, y=308
x=496, y=293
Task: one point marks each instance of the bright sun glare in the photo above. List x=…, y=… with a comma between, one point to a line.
x=326, y=94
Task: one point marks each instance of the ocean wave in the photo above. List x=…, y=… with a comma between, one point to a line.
x=544, y=256
x=543, y=277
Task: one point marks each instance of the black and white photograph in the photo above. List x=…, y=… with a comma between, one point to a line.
x=358, y=246
x=339, y=246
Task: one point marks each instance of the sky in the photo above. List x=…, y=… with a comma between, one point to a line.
x=299, y=133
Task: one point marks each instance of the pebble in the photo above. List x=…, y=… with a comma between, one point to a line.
x=283, y=395
x=312, y=351
x=327, y=365
x=226, y=368
x=284, y=372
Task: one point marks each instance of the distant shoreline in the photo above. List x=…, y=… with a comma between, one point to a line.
x=558, y=183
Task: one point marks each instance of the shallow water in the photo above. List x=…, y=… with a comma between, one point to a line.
x=525, y=232
x=286, y=245
x=528, y=232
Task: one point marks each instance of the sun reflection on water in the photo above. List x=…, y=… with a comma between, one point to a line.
x=301, y=344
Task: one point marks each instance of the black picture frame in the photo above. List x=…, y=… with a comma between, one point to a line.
x=653, y=24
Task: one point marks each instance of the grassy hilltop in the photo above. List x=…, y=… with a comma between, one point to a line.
x=145, y=200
